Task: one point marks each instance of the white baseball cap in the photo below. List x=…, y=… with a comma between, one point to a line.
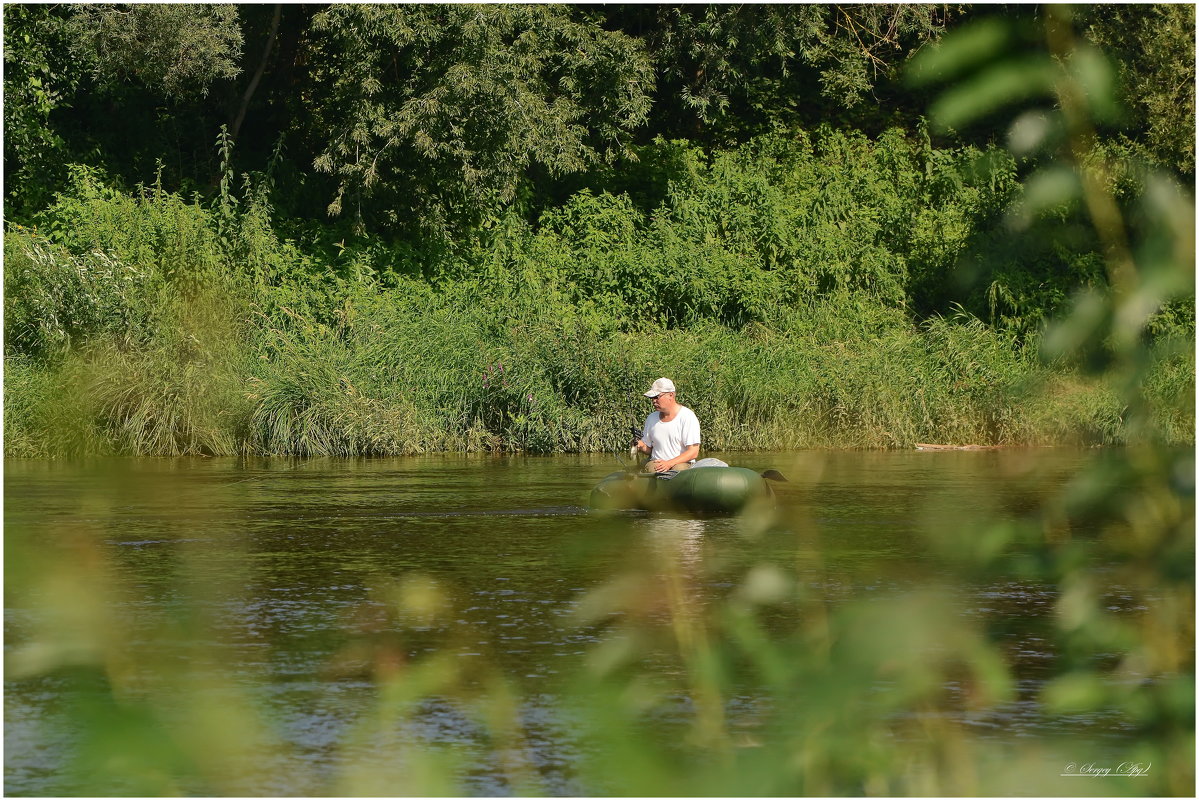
x=660, y=386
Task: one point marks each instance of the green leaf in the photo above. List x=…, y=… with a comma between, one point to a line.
x=1083, y=326
x=972, y=45
x=1095, y=75
x=1032, y=131
x=1008, y=82
x=1049, y=189
x=1074, y=692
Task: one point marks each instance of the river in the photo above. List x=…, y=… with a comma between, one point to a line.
x=279, y=581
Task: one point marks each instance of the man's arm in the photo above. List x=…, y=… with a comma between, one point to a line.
x=689, y=453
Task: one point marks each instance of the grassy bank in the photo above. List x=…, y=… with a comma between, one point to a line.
x=775, y=284
x=406, y=369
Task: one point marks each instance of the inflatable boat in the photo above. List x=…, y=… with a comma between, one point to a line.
x=705, y=490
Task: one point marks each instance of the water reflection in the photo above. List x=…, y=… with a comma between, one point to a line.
x=375, y=610
x=679, y=538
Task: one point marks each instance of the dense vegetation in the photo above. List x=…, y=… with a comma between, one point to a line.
x=390, y=229
x=358, y=229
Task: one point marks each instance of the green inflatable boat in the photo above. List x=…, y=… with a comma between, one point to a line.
x=704, y=490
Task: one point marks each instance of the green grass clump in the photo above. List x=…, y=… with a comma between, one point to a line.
x=774, y=283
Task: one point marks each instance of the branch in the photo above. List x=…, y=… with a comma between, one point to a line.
x=878, y=62
x=266, y=53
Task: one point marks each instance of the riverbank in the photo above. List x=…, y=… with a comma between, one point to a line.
x=406, y=369
x=778, y=284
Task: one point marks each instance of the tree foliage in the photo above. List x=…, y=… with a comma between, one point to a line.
x=428, y=128
x=39, y=78
x=439, y=110
x=171, y=49
x=728, y=71
x=1154, y=52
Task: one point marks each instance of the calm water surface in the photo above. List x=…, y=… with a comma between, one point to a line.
x=288, y=558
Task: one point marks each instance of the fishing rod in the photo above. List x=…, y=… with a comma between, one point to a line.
x=638, y=464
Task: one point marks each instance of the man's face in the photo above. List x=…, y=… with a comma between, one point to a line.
x=664, y=402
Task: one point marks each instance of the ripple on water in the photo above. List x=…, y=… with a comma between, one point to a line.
x=289, y=563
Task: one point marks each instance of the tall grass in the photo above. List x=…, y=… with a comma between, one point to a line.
x=770, y=283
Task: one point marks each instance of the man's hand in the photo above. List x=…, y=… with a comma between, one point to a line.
x=663, y=465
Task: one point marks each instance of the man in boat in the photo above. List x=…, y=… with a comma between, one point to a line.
x=671, y=434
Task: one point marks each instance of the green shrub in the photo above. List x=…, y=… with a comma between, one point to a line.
x=775, y=283
x=55, y=300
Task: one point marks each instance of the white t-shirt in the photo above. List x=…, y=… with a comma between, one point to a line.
x=669, y=440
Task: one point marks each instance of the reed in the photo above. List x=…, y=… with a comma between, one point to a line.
x=403, y=377
x=774, y=283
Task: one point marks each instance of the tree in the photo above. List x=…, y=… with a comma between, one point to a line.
x=438, y=112
x=114, y=86
x=39, y=78
x=1154, y=50
x=172, y=49
x=726, y=72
